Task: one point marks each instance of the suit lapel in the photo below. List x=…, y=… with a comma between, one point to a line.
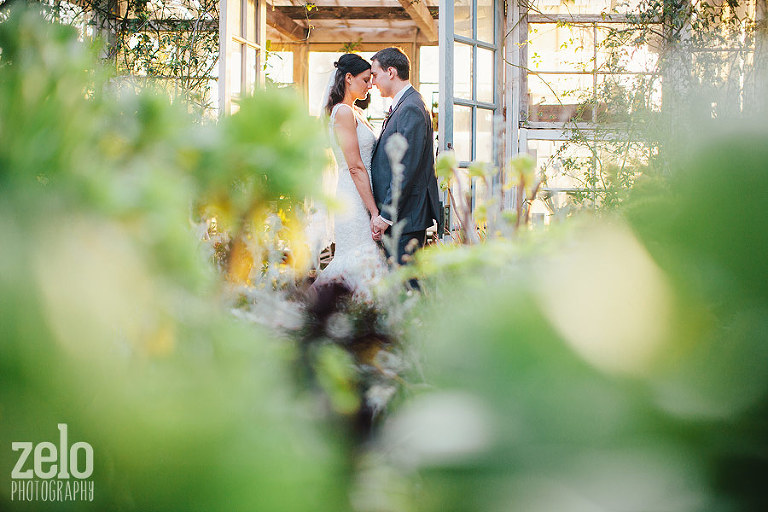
x=407, y=93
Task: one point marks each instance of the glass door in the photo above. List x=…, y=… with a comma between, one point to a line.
x=469, y=120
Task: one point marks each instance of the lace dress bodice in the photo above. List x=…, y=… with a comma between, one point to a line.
x=366, y=139
x=357, y=259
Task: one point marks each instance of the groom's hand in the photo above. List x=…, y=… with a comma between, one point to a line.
x=375, y=233
x=378, y=227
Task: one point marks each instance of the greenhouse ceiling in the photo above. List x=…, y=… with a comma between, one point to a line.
x=339, y=21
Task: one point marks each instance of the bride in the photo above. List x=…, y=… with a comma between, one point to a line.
x=357, y=260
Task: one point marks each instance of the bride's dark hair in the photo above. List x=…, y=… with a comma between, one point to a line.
x=347, y=63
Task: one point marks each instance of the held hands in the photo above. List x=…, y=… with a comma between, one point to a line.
x=378, y=227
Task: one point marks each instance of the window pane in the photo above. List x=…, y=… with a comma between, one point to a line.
x=462, y=71
x=235, y=17
x=482, y=193
x=251, y=21
x=462, y=18
x=616, y=96
x=484, y=138
x=252, y=64
x=561, y=47
x=617, y=47
x=485, y=20
x=485, y=82
x=466, y=187
x=565, y=165
x=462, y=133
x=559, y=98
x=235, y=68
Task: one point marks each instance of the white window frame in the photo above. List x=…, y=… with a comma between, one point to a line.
x=231, y=34
x=520, y=128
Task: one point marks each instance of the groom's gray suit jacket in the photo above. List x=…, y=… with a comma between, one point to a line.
x=419, y=199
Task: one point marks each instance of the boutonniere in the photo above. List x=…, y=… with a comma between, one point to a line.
x=387, y=114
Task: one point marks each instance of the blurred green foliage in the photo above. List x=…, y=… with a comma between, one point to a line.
x=613, y=363
x=110, y=320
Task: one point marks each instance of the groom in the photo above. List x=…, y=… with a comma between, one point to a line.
x=418, y=205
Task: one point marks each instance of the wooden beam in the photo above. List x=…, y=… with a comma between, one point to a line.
x=419, y=12
x=333, y=47
x=351, y=13
x=285, y=25
x=342, y=36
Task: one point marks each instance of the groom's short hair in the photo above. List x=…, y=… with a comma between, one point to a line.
x=394, y=58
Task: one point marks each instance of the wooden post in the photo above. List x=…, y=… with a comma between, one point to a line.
x=301, y=69
x=415, y=78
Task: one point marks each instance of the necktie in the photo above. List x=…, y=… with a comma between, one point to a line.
x=386, y=117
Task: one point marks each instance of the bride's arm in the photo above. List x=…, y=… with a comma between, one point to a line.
x=346, y=133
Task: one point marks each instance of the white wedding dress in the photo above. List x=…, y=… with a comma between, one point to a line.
x=357, y=262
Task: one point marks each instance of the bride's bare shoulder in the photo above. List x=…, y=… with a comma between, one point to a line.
x=342, y=107
x=344, y=116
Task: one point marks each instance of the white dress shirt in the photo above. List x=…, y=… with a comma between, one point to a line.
x=400, y=95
